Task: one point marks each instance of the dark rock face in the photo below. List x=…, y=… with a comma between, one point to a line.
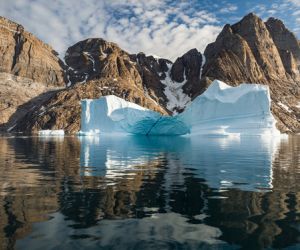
x=188, y=68
x=152, y=71
x=22, y=54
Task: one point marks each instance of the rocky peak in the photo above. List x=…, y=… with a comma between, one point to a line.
x=152, y=71
x=287, y=45
x=188, y=69
x=22, y=54
x=254, y=31
x=187, y=66
x=231, y=59
x=157, y=65
x=95, y=58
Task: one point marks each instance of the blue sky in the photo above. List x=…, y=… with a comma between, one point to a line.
x=165, y=28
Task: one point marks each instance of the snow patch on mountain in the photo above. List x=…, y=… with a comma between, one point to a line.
x=90, y=57
x=177, y=99
x=202, y=65
x=86, y=76
x=285, y=107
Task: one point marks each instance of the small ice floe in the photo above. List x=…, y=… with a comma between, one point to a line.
x=49, y=132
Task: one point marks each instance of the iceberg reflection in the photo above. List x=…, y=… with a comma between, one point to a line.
x=226, y=162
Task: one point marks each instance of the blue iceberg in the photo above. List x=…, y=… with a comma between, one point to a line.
x=220, y=110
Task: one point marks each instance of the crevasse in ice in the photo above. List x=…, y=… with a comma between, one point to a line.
x=220, y=110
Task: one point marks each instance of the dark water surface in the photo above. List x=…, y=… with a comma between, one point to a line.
x=149, y=193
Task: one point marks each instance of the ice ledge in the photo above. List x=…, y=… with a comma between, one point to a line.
x=220, y=110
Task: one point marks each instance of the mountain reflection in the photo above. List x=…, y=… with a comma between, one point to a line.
x=135, y=191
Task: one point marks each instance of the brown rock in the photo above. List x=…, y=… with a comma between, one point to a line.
x=18, y=96
x=287, y=45
x=96, y=58
x=231, y=59
x=253, y=30
x=22, y=54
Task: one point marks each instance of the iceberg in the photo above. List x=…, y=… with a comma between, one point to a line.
x=220, y=110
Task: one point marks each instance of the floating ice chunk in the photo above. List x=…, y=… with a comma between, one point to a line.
x=220, y=110
x=51, y=133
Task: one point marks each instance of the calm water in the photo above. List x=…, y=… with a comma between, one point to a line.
x=149, y=193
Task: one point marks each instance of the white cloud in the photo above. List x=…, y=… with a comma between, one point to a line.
x=151, y=26
x=295, y=2
x=229, y=8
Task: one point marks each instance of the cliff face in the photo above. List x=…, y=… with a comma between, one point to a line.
x=28, y=69
x=22, y=54
x=249, y=51
x=287, y=45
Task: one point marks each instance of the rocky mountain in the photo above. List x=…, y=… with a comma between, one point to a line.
x=30, y=70
x=249, y=51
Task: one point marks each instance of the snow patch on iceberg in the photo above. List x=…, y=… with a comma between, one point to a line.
x=220, y=110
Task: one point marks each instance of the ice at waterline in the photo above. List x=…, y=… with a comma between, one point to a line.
x=220, y=110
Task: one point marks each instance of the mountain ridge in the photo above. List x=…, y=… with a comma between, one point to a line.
x=250, y=51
